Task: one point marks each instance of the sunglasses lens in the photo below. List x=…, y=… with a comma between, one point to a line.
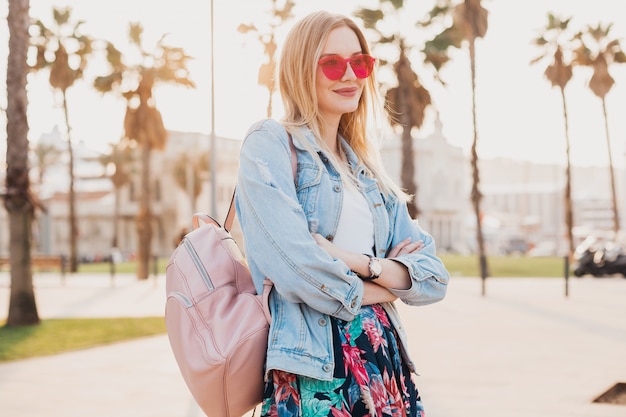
x=333, y=67
x=362, y=65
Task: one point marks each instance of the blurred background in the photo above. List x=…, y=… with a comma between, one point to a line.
x=208, y=70
x=512, y=141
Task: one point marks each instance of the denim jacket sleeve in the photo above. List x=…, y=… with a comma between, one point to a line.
x=278, y=243
x=429, y=277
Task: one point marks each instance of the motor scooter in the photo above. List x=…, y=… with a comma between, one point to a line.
x=599, y=259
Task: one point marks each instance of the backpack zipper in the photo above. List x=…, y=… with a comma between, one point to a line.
x=199, y=266
x=181, y=298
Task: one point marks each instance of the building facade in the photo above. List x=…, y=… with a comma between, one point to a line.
x=442, y=193
x=526, y=203
x=97, y=200
x=522, y=204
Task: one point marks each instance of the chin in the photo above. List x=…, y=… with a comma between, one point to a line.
x=347, y=109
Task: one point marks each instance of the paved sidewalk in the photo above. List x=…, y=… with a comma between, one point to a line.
x=523, y=349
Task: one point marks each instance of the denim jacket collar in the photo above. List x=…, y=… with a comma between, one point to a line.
x=356, y=166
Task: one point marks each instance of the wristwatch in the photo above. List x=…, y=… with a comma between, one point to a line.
x=375, y=267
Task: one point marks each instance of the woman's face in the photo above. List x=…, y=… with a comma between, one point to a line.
x=341, y=96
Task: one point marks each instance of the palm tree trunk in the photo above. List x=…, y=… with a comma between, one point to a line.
x=194, y=198
x=22, y=305
x=569, y=215
x=269, y=103
x=144, y=220
x=611, y=170
x=18, y=200
x=116, y=219
x=476, y=195
x=190, y=184
x=408, y=171
x=73, y=267
x=407, y=175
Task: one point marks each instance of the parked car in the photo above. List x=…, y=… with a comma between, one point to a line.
x=599, y=259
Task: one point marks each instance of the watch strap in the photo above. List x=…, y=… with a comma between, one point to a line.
x=371, y=276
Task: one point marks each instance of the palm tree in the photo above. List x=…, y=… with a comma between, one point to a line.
x=407, y=102
x=64, y=51
x=187, y=175
x=143, y=124
x=463, y=22
x=598, y=50
x=18, y=199
x=554, y=41
x=267, y=71
x=117, y=165
x=46, y=155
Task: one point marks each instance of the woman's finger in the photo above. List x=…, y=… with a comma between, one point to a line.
x=415, y=246
x=406, y=247
x=395, y=251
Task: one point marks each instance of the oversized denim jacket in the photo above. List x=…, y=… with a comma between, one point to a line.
x=277, y=219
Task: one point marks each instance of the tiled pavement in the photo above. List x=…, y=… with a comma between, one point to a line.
x=524, y=349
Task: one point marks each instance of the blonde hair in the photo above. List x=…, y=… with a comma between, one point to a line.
x=297, y=80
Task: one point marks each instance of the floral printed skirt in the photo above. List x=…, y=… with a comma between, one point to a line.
x=370, y=377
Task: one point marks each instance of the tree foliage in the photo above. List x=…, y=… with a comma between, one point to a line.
x=118, y=165
x=407, y=101
x=188, y=169
x=267, y=37
x=64, y=51
x=143, y=123
x=460, y=23
x=599, y=50
x=418, y=96
x=555, y=42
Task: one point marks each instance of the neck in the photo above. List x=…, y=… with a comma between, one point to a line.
x=330, y=136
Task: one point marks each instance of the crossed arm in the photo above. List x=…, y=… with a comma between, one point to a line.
x=394, y=274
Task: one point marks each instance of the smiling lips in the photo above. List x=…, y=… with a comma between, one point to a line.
x=347, y=92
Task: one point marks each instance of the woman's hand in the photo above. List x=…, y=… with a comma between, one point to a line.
x=405, y=247
x=402, y=248
x=354, y=260
x=394, y=275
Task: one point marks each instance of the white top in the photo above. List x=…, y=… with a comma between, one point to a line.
x=355, y=231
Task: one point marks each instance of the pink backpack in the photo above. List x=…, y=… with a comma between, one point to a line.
x=216, y=323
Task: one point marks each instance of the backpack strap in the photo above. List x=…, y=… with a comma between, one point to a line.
x=230, y=215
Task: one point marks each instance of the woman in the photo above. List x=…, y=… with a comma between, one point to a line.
x=339, y=246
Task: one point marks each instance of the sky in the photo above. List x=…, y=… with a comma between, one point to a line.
x=519, y=114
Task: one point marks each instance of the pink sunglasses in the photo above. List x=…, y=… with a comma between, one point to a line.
x=334, y=66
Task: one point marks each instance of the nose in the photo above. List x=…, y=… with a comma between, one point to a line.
x=349, y=74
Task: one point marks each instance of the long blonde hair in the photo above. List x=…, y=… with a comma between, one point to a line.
x=297, y=80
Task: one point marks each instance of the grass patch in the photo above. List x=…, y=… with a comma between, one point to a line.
x=506, y=266
x=61, y=335
x=458, y=265
x=126, y=267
